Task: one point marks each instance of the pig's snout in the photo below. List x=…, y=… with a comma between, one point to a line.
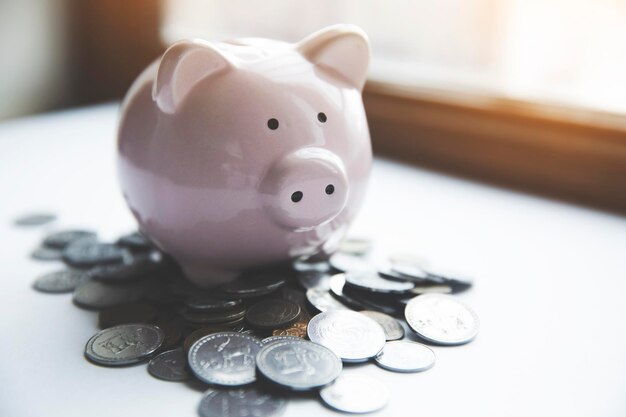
x=305, y=189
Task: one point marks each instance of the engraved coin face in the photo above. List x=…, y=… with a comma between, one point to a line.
x=169, y=366
x=249, y=401
x=298, y=364
x=405, y=356
x=322, y=300
x=123, y=345
x=272, y=313
x=372, y=281
x=225, y=358
x=356, y=393
x=392, y=327
x=62, y=281
x=350, y=335
x=441, y=319
x=278, y=338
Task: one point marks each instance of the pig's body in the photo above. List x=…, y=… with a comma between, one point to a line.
x=210, y=177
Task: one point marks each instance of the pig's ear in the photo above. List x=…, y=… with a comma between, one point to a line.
x=182, y=66
x=341, y=49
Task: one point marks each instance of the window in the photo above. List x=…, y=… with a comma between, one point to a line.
x=530, y=93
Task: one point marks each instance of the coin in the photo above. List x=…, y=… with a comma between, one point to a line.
x=456, y=281
x=272, y=313
x=211, y=304
x=198, y=334
x=65, y=280
x=345, y=263
x=249, y=401
x=35, y=219
x=355, y=393
x=355, y=246
x=392, y=327
x=278, y=338
x=254, y=284
x=385, y=303
x=62, y=239
x=322, y=301
x=134, y=267
x=126, y=313
x=441, y=319
x=350, y=335
x=169, y=366
x=229, y=316
x=123, y=345
x=314, y=279
x=135, y=240
x=405, y=356
x=290, y=332
x=372, y=281
x=86, y=253
x=46, y=254
x=298, y=364
x=224, y=358
x=93, y=294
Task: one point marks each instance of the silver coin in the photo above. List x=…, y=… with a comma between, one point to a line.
x=46, y=254
x=350, y=335
x=345, y=263
x=392, y=327
x=322, y=300
x=93, y=294
x=225, y=358
x=432, y=289
x=442, y=319
x=249, y=401
x=355, y=246
x=169, y=366
x=314, y=279
x=356, y=393
x=405, y=356
x=272, y=339
x=125, y=344
x=372, y=281
x=299, y=365
x=63, y=281
x=35, y=219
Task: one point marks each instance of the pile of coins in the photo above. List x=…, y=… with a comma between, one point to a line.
x=276, y=331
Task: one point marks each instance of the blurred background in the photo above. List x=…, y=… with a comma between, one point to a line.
x=524, y=93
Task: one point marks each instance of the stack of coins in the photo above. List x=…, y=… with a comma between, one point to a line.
x=268, y=334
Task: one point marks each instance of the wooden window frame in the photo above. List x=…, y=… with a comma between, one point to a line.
x=562, y=152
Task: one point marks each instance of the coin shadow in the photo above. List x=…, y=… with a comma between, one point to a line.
x=196, y=385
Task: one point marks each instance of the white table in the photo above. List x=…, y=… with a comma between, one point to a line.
x=550, y=289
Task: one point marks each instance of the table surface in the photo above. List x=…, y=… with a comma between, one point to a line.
x=550, y=288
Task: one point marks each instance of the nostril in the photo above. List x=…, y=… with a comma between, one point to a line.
x=297, y=196
x=330, y=189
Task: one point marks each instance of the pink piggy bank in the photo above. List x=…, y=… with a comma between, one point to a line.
x=235, y=155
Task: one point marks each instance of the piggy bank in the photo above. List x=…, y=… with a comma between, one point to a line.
x=239, y=154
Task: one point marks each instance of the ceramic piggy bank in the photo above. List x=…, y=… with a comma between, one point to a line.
x=235, y=155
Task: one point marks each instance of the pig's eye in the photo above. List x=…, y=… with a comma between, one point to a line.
x=272, y=124
x=321, y=116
